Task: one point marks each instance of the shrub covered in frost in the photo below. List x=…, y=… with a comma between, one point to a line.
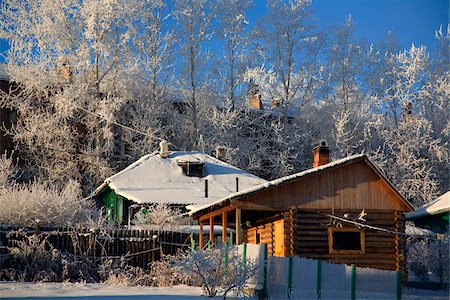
x=217, y=271
x=33, y=259
x=429, y=260
x=118, y=272
x=163, y=273
x=25, y=203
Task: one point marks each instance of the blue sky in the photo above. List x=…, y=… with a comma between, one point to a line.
x=413, y=21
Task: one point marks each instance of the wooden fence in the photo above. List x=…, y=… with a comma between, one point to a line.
x=139, y=247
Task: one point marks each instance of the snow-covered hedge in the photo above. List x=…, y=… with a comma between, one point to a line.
x=27, y=203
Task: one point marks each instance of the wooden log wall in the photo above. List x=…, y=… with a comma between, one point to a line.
x=139, y=246
x=309, y=237
x=266, y=236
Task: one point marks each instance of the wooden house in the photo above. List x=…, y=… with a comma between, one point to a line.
x=344, y=211
x=175, y=178
x=434, y=215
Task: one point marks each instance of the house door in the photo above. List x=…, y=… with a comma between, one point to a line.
x=279, y=238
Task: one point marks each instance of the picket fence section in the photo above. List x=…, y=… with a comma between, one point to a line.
x=139, y=247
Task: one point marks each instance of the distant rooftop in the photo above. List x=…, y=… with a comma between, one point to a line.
x=154, y=179
x=441, y=205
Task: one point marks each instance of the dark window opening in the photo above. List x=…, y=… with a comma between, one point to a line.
x=346, y=241
x=192, y=168
x=258, y=238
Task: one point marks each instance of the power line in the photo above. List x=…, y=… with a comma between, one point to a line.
x=384, y=229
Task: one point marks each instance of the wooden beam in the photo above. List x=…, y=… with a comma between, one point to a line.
x=224, y=227
x=251, y=206
x=200, y=237
x=238, y=226
x=215, y=213
x=211, y=230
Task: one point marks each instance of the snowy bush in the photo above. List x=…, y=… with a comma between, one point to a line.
x=159, y=215
x=217, y=271
x=27, y=203
x=163, y=273
x=33, y=259
x=118, y=272
x=429, y=260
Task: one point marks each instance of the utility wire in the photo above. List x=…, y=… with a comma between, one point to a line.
x=385, y=230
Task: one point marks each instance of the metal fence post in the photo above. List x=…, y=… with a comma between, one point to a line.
x=399, y=285
x=265, y=292
x=289, y=291
x=226, y=258
x=353, y=282
x=244, y=257
x=319, y=279
x=192, y=242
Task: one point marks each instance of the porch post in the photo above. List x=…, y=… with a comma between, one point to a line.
x=224, y=227
x=211, y=231
x=238, y=226
x=200, y=236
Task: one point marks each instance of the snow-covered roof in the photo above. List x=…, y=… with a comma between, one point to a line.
x=438, y=206
x=276, y=182
x=153, y=179
x=3, y=74
x=417, y=231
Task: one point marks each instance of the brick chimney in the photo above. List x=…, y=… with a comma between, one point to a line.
x=321, y=154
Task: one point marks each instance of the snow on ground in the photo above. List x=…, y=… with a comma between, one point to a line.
x=73, y=291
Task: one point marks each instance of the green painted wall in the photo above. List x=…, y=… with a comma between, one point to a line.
x=113, y=205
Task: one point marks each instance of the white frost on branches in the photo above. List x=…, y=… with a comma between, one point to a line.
x=25, y=204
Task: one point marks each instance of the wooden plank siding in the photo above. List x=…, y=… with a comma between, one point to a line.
x=350, y=186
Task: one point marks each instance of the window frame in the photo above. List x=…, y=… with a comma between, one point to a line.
x=362, y=239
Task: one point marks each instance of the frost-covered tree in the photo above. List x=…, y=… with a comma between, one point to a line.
x=152, y=63
x=403, y=141
x=345, y=99
x=284, y=40
x=230, y=64
x=66, y=60
x=193, y=18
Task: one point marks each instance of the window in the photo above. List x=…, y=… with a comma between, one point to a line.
x=346, y=241
x=191, y=168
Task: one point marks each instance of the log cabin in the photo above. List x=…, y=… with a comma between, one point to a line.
x=344, y=211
